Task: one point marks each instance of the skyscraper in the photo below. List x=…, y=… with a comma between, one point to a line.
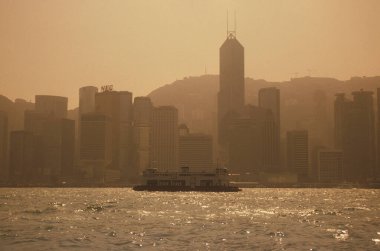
x=142, y=132
x=117, y=105
x=86, y=105
x=34, y=121
x=53, y=138
x=231, y=79
x=340, y=108
x=54, y=106
x=269, y=98
x=165, y=138
x=330, y=165
x=59, y=144
x=21, y=156
x=355, y=135
x=244, y=156
x=298, y=153
x=378, y=134
x=195, y=150
x=95, y=147
x=3, y=146
x=250, y=141
x=87, y=99
x=360, y=138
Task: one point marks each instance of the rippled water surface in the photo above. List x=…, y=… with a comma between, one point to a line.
x=254, y=219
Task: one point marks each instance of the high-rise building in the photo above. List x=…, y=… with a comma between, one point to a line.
x=59, y=144
x=314, y=161
x=320, y=126
x=87, y=99
x=86, y=105
x=359, y=138
x=3, y=146
x=95, y=147
x=165, y=138
x=21, y=156
x=195, y=150
x=244, y=155
x=142, y=111
x=55, y=144
x=340, y=107
x=378, y=134
x=298, y=153
x=142, y=130
x=54, y=106
x=355, y=135
x=250, y=141
x=34, y=121
x=231, y=78
x=330, y=165
x=117, y=105
x=269, y=98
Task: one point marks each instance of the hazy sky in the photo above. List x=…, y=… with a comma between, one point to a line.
x=56, y=46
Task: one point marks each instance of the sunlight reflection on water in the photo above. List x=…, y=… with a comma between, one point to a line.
x=119, y=219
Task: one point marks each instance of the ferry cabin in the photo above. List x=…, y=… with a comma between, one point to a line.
x=185, y=178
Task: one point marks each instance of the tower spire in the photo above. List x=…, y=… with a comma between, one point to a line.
x=227, y=23
x=235, y=22
x=231, y=33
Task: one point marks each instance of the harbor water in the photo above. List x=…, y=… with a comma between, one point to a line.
x=254, y=219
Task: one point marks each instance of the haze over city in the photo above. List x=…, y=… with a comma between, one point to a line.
x=55, y=47
x=181, y=125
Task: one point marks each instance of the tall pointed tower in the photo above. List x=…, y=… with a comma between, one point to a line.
x=231, y=79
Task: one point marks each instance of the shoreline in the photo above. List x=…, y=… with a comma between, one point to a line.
x=242, y=186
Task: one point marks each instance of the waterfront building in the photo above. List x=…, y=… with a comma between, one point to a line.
x=96, y=148
x=3, y=146
x=359, y=138
x=59, y=147
x=341, y=105
x=269, y=98
x=165, y=138
x=55, y=145
x=355, y=135
x=142, y=133
x=243, y=151
x=378, y=134
x=330, y=165
x=21, y=156
x=53, y=106
x=195, y=150
x=251, y=141
x=87, y=99
x=298, y=153
x=34, y=121
x=117, y=105
x=86, y=105
x=314, y=160
x=231, y=93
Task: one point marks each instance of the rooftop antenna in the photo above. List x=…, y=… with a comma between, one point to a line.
x=231, y=33
x=227, y=23
x=235, y=22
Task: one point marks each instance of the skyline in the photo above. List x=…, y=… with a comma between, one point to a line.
x=81, y=43
x=145, y=124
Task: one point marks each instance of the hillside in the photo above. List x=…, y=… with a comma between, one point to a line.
x=306, y=103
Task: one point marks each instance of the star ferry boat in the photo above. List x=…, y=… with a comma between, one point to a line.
x=184, y=180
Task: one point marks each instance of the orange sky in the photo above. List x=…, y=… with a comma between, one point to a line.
x=56, y=46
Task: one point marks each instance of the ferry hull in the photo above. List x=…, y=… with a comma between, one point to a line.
x=186, y=188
